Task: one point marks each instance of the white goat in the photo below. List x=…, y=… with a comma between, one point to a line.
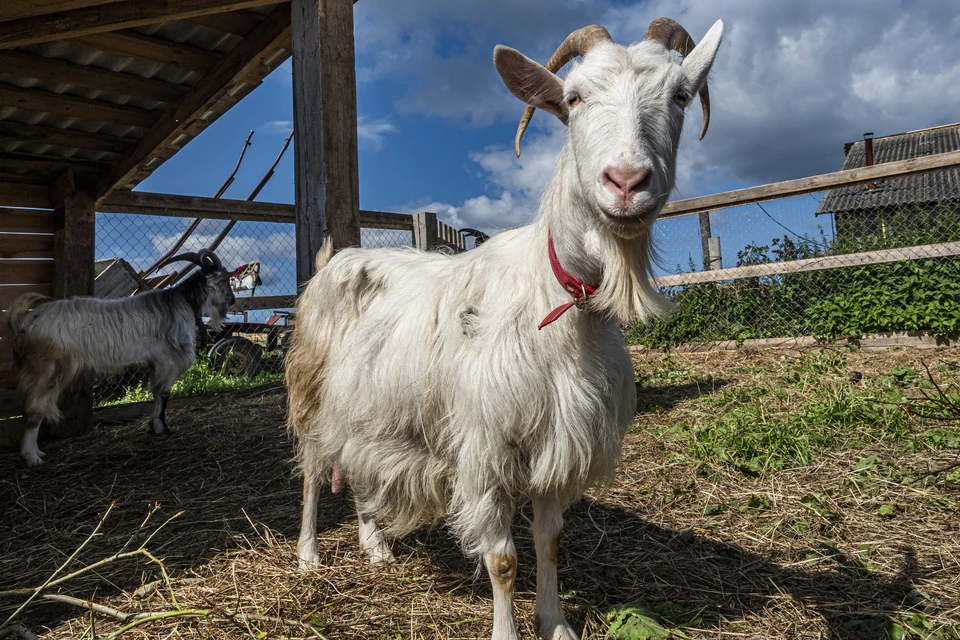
x=422, y=379
x=62, y=340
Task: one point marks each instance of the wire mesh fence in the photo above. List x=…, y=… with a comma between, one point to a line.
x=262, y=257
x=865, y=258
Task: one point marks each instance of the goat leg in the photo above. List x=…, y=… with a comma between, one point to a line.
x=501, y=561
x=307, y=552
x=548, y=616
x=372, y=539
x=28, y=445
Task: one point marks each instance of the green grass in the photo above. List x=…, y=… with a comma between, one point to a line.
x=200, y=379
x=761, y=427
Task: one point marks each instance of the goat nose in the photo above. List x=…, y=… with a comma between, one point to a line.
x=625, y=183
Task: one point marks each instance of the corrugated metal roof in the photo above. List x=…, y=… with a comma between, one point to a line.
x=930, y=186
x=165, y=81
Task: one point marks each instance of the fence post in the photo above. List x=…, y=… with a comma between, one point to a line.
x=425, y=231
x=74, y=237
x=705, y=237
x=713, y=251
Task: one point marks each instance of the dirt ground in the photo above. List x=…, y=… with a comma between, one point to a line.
x=762, y=495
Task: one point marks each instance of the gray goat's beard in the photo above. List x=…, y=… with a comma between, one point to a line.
x=216, y=318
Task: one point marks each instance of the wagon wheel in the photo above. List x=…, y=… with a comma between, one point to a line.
x=235, y=356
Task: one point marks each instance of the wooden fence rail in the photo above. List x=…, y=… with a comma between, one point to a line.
x=810, y=184
x=942, y=250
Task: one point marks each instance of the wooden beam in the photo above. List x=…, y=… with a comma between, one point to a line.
x=15, y=194
x=10, y=292
x=144, y=47
x=16, y=9
x=46, y=167
x=384, y=220
x=76, y=107
x=425, y=231
x=26, y=245
x=165, y=204
x=68, y=138
x=111, y=17
x=248, y=62
x=239, y=23
x=28, y=65
x=26, y=220
x=310, y=176
x=162, y=204
x=74, y=240
x=26, y=271
x=264, y=302
x=340, y=153
x=812, y=184
x=325, y=118
x=941, y=250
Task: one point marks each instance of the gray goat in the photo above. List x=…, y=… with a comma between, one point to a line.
x=61, y=340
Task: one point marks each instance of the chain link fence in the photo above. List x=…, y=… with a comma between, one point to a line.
x=861, y=259
x=250, y=351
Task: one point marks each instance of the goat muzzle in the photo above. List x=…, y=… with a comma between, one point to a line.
x=576, y=44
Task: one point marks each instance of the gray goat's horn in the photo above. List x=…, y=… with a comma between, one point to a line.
x=183, y=257
x=209, y=261
x=576, y=44
x=675, y=38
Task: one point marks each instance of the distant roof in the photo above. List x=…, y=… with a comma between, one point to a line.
x=931, y=186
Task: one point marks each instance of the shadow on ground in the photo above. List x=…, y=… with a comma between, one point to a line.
x=229, y=465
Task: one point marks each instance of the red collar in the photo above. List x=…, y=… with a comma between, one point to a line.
x=580, y=291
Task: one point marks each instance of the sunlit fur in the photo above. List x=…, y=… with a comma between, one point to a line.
x=63, y=340
x=425, y=378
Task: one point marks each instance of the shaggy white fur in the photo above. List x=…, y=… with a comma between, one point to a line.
x=424, y=376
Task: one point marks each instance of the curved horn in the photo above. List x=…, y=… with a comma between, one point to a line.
x=209, y=261
x=671, y=35
x=185, y=257
x=576, y=44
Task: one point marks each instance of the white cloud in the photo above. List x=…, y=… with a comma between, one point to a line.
x=283, y=127
x=793, y=81
x=514, y=184
x=372, y=132
x=369, y=132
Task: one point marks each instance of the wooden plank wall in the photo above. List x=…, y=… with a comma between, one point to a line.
x=26, y=266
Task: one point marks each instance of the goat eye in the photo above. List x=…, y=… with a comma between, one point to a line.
x=681, y=98
x=573, y=100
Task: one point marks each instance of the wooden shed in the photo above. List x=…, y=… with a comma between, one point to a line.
x=96, y=94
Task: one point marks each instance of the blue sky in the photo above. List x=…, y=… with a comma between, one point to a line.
x=792, y=82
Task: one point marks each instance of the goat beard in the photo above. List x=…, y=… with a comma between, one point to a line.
x=217, y=316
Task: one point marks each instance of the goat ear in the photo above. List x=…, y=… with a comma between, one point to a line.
x=698, y=63
x=530, y=81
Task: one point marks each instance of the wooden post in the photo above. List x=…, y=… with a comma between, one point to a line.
x=425, y=231
x=713, y=251
x=74, y=237
x=704, y=236
x=325, y=119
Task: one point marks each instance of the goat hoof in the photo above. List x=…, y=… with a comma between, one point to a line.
x=309, y=564
x=556, y=631
x=34, y=458
x=381, y=556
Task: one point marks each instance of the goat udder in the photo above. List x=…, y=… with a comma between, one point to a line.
x=336, y=483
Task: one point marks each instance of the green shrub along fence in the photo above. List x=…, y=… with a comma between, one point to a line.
x=884, y=269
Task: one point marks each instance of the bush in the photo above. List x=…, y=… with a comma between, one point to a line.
x=919, y=295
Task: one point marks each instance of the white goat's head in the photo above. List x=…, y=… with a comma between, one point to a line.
x=624, y=107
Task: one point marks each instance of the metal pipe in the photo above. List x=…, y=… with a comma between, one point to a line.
x=196, y=221
x=226, y=229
